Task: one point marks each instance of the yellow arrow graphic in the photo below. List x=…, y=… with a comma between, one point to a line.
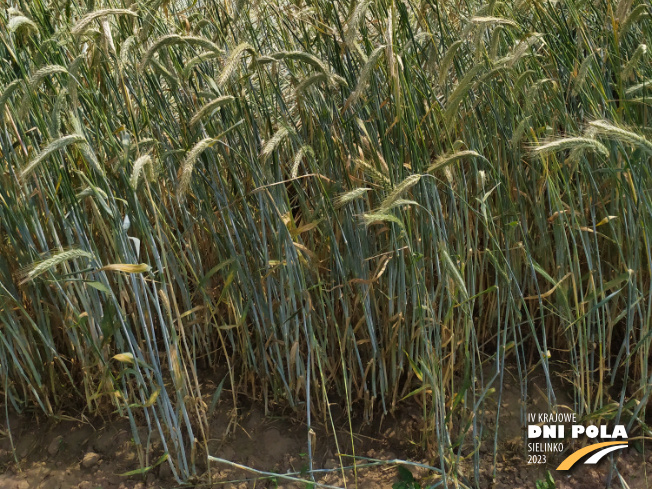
x=574, y=457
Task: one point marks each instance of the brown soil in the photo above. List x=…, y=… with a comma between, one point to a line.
x=62, y=454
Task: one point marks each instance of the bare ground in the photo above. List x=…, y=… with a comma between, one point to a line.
x=64, y=453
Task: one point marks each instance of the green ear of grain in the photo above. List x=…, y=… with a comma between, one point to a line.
x=188, y=165
x=51, y=148
x=608, y=130
x=307, y=58
x=308, y=82
x=572, y=144
x=231, y=62
x=447, y=159
x=161, y=42
x=281, y=134
x=647, y=84
x=454, y=271
x=460, y=92
x=172, y=39
x=637, y=13
x=582, y=73
x=630, y=66
x=6, y=93
x=36, y=79
x=399, y=190
x=210, y=107
x=520, y=49
x=447, y=61
x=374, y=217
x=304, y=151
x=353, y=24
x=200, y=58
x=87, y=19
x=350, y=196
x=44, y=266
x=20, y=22
x=364, y=77
x=139, y=165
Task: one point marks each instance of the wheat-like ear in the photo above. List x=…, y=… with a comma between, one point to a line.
x=185, y=172
x=373, y=172
x=579, y=80
x=308, y=82
x=139, y=164
x=364, y=77
x=73, y=68
x=622, y=8
x=634, y=16
x=6, y=93
x=519, y=131
x=610, y=131
x=629, y=67
x=158, y=44
x=486, y=21
x=44, y=266
x=372, y=217
x=350, y=196
x=637, y=88
x=305, y=150
x=352, y=25
x=401, y=203
x=210, y=107
x=522, y=79
x=202, y=42
x=165, y=73
x=55, y=122
x=575, y=144
x=86, y=20
x=262, y=60
x=281, y=134
x=447, y=159
x=460, y=92
x=49, y=149
x=494, y=44
x=303, y=57
x=172, y=39
x=125, y=47
x=399, y=190
x=447, y=61
x=337, y=80
x=200, y=58
x=200, y=25
x=40, y=74
x=519, y=50
x=21, y=22
x=415, y=42
x=232, y=62
x=492, y=72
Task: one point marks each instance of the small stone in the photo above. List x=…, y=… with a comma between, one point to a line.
x=85, y=485
x=331, y=464
x=53, y=447
x=139, y=485
x=91, y=459
x=22, y=485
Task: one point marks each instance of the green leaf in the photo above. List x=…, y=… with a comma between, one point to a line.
x=100, y=286
x=144, y=470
